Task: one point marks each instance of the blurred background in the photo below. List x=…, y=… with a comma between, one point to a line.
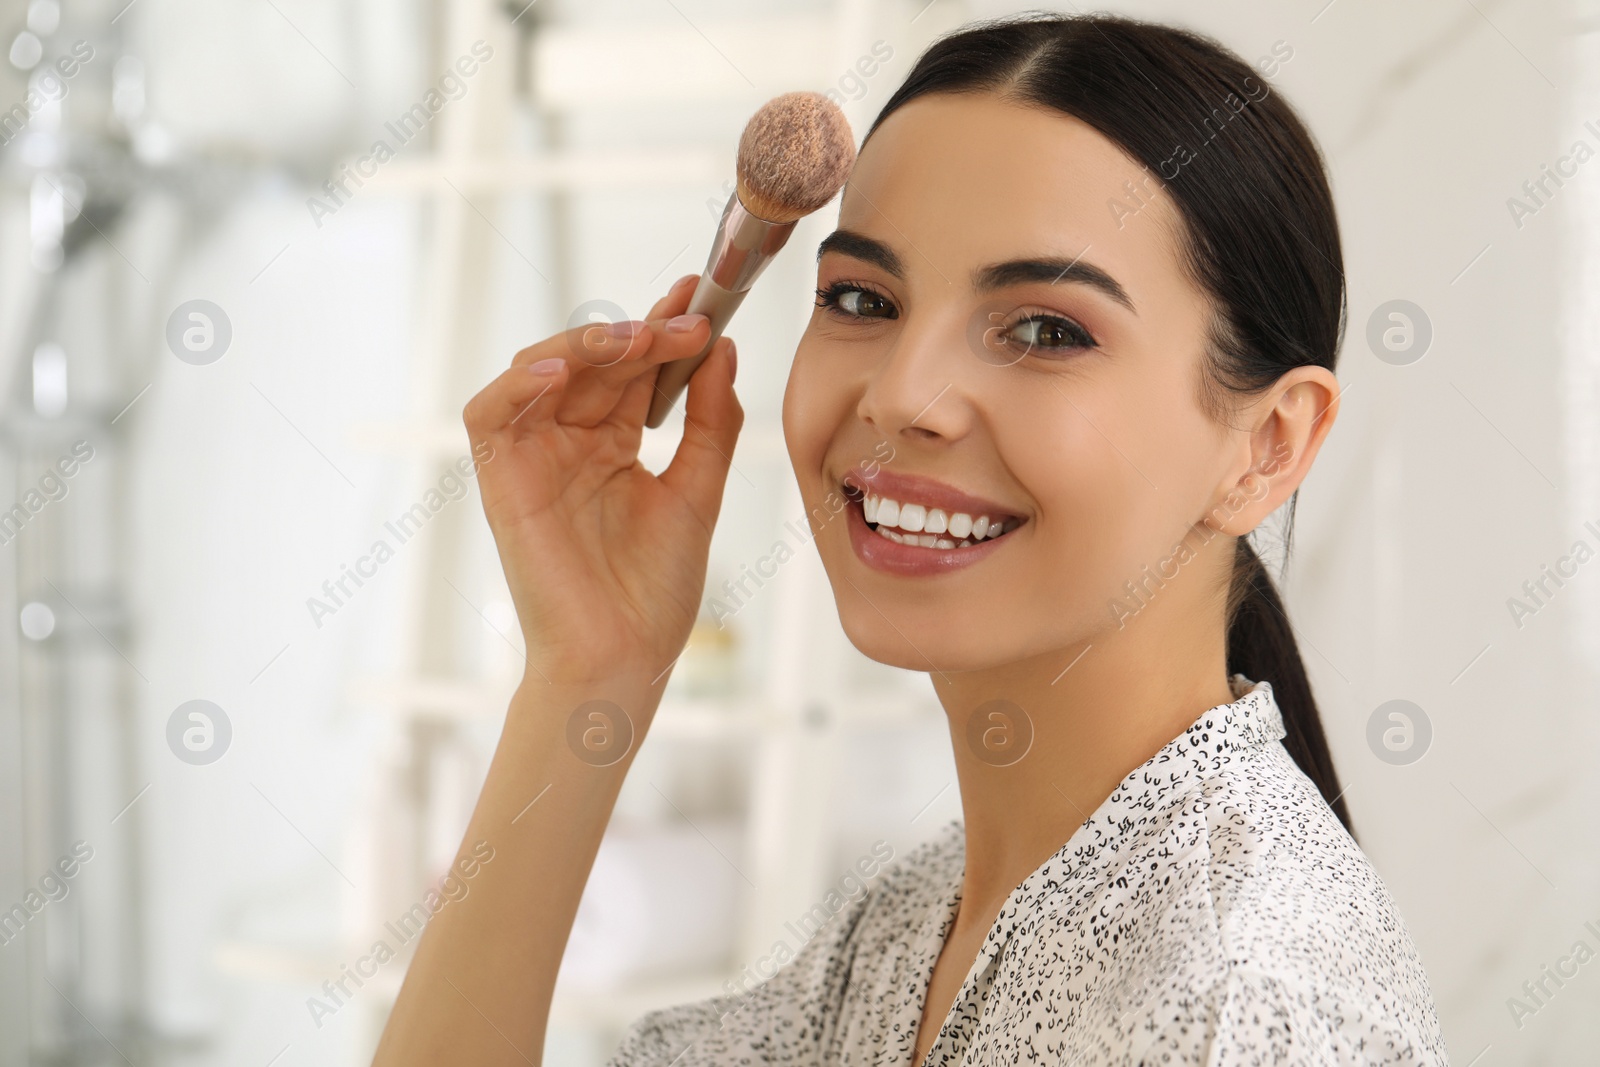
x=255, y=255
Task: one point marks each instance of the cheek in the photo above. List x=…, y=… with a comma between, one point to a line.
x=1089, y=499
x=800, y=436
x=814, y=407
x=1118, y=479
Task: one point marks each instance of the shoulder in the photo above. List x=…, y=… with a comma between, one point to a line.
x=1306, y=924
x=836, y=939
x=783, y=1007
x=1242, y=915
x=924, y=872
x=1251, y=1016
x=1286, y=881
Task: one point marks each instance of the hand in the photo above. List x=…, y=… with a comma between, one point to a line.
x=606, y=562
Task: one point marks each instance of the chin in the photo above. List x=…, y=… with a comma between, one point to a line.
x=878, y=641
x=888, y=643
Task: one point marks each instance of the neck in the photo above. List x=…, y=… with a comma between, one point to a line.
x=1095, y=710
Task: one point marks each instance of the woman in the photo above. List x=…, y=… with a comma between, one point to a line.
x=1087, y=291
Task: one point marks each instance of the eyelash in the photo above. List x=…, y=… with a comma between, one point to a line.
x=829, y=296
x=829, y=299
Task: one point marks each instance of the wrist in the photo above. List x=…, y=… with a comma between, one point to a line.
x=615, y=679
x=600, y=717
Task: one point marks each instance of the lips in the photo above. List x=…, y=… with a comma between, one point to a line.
x=909, y=525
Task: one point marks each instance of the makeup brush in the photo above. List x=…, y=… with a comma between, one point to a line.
x=794, y=155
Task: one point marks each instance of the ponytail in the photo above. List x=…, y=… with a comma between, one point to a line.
x=1261, y=645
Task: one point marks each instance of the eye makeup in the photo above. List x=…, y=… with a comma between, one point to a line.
x=856, y=300
x=1037, y=330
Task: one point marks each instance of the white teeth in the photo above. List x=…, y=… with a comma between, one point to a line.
x=917, y=524
x=922, y=540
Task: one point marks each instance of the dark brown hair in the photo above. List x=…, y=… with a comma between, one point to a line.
x=1261, y=239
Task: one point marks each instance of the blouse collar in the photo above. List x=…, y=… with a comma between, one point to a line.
x=1210, y=743
x=1213, y=741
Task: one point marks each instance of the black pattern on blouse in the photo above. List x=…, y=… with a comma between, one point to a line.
x=1212, y=910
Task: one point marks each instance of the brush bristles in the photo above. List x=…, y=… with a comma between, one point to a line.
x=794, y=155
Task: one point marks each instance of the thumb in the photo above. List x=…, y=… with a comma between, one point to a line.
x=711, y=422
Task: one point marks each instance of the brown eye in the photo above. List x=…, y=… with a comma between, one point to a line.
x=1049, y=332
x=867, y=305
x=853, y=301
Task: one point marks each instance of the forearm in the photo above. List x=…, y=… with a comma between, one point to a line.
x=555, y=442
x=479, y=989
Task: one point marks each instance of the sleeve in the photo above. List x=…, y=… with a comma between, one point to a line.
x=1255, y=1018
x=660, y=1037
x=786, y=1018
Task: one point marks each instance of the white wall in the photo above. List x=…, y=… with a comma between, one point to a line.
x=1445, y=485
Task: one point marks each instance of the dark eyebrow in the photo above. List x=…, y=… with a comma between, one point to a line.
x=860, y=246
x=1052, y=271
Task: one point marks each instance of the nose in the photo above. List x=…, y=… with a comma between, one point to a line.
x=918, y=393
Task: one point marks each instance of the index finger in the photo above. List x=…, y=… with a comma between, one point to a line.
x=602, y=344
x=676, y=302
x=591, y=344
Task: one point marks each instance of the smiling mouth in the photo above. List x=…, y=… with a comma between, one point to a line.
x=912, y=523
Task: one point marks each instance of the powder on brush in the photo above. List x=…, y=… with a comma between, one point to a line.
x=794, y=155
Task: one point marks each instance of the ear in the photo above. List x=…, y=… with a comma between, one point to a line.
x=1283, y=430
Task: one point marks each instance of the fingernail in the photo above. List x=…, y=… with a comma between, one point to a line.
x=683, y=281
x=547, y=366
x=733, y=361
x=625, y=328
x=684, y=323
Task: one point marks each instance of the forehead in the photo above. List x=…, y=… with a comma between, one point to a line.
x=957, y=180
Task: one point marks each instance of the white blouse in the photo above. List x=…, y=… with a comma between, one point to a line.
x=1212, y=911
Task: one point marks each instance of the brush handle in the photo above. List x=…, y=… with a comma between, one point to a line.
x=744, y=245
x=716, y=304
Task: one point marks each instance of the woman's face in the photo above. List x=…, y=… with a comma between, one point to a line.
x=1007, y=335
